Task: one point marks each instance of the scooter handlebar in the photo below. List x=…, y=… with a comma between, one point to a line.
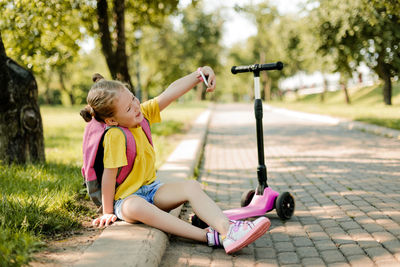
x=257, y=67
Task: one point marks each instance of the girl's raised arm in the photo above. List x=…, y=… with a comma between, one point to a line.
x=183, y=85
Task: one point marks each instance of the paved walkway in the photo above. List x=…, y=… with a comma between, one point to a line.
x=346, y=184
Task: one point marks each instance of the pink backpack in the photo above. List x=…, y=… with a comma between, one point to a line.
x=93, y=153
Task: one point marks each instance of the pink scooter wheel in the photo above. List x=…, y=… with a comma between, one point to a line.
x=247, y=197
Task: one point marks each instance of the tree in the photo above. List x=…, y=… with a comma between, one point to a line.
x=47, y=35
x=41, y=39
x=170, y=52
x=41, y=35
x=160, y=70
x=265, y=45
x=114, y=41
x=21, y=130
x=200, y=41
x=305, y=49
x=357, y=31
x=239, y=86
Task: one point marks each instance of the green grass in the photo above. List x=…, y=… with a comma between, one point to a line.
x=41, y=201
x=37, y=202
x=366, y=105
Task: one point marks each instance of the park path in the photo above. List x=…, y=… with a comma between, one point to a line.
x=346, y=184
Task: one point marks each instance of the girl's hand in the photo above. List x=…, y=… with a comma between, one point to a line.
x=209, y=73
x=104, y=220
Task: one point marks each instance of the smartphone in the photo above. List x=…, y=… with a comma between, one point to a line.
x=204, y=78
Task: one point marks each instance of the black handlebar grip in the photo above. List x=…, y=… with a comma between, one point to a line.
x=271, y=66
x=257, y=67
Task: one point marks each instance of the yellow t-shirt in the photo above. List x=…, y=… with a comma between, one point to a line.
x=143, y=171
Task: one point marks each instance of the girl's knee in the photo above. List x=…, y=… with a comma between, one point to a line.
x=192, y=186
x=132, y=208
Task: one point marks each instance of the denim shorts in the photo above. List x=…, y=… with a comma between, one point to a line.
x=146, y=192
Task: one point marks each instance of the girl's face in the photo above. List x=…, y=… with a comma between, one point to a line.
x=127, y=110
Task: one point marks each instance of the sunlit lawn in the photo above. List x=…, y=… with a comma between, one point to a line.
x=39, y=201
x=366, y=105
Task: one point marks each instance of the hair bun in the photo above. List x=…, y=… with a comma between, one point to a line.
x=85, y=115
x=97, y=77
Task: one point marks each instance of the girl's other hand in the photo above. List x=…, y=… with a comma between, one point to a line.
x=209, y=73
x=104, y=220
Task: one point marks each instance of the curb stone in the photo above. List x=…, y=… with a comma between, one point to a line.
x=345, y=123
x=124, y=244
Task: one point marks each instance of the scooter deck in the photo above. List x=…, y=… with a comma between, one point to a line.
x=259, y=205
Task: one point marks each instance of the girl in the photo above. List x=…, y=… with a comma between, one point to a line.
x=141, y=197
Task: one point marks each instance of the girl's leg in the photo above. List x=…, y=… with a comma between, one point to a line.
x=171, y=195
x=136, y=208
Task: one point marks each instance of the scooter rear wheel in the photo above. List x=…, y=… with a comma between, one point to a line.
x=285, y=205
x=247, y=197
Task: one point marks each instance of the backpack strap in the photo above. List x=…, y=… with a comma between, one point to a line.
x=145, y=124
x=131, y=149
x=130, y=146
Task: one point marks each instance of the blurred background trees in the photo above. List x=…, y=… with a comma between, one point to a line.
x=64, y=42
x=178, y=48
x=361, y=31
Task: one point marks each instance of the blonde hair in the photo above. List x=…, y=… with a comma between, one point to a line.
x=101, y=98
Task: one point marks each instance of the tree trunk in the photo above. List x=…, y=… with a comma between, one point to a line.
x=64, y=88
x=266, y=80
x=322, y=99
x=199, y=91
x=267, y=87
x=47, y=92
x=21, y=130
x=343, y=84
x=116, y=58
x=346, y=93
x=383, y=71
x=203, y=92
x=387, y=91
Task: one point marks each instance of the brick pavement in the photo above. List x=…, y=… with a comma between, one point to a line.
x=346, y=184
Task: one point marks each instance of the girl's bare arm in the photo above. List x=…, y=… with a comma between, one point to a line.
x=183, y=85
x=108, y=192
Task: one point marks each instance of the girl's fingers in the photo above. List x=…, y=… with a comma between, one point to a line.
x=104, y=221
x=211, y=78
x=212, y=84
x=95, y=222
x=110, y=220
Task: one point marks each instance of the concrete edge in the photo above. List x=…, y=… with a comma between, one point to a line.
x=124, y=244
x=371, y=128
x=345, y=123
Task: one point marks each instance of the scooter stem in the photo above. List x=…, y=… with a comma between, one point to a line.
x=258, y=111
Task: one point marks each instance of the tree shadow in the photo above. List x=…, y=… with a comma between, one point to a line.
x=345, y=184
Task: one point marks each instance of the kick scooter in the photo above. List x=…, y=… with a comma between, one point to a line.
x=257, y=202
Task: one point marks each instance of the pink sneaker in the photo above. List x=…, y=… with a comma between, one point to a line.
x=242, y=233
x=213, y=238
